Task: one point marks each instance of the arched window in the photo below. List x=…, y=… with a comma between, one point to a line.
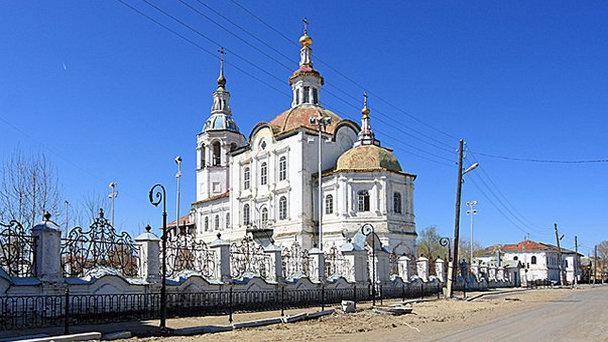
x=217, y=222
x=315, y=96
x=515, y=258
x=246, y=178
x=566, y=263
x=306, y=95
x=397, y=203
x=264, y=217
x=282, y=168
x=227, y=220
x=217, y=158
x=246, y=214
x=264, y=174
x=363, y=200
x=283, y=208
x=533, y=260
x=203, y=157
x=206, y=223
x=329, y=204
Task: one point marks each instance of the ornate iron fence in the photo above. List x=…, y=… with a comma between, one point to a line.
x=336, y=264
x=295, y=261
x=83, y=252
x=17, y=250
x=248, y=256
x=184, y=253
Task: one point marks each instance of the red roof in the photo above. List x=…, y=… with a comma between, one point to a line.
x=183, y=221
x=529, y=245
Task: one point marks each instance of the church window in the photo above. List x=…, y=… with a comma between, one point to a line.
x=315, y=96
x=297, y=97
x=282, y=168
x=397, y=203
x=566, y=263
x=329, y=204
x=264, y=217
x=306, y=95
x=264, y=174
x=283, y=208
x=203, y=161
x=363, y=200
x=206, y=223
x=217, y=222
x=246, y=214
x=216, y=153
x=246, y=178
x=533, y=260
x=227, y=220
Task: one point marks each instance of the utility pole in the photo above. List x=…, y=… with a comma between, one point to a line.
x=562, y=281
x=472, y=212
x=575, y=260
x=595, y=265
x=178, y=176
x=67, y=217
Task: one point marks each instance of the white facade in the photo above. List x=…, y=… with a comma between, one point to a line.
x=268, y=184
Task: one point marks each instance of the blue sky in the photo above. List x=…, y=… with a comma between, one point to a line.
x=110, y=96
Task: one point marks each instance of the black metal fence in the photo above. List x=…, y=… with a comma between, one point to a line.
x=23, y=312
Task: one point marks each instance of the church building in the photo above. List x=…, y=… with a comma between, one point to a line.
x=267, y=183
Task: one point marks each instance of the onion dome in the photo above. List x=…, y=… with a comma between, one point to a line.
x=218, y=122
x=297, y=117
x=368, y=158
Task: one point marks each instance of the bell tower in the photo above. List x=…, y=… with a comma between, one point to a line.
x=218, y=138
x=306, y=82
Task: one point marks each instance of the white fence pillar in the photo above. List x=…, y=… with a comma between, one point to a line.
x=383, y=267
x=357, y=261
x=423, y=268
x=275, y=273
x=222, y=258
x=149, y=256
x=316, y=271
x=47, y=235
x=440, y=270
x=403, y=267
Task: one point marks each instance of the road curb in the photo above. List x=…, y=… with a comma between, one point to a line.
x=470, y=299
x=67, y=338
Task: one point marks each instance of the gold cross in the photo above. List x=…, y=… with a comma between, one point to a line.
x=305, y=21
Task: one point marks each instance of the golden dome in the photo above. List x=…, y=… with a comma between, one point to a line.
x=305, y=40
x=368, y=158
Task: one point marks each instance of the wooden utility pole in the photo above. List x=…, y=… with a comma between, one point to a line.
x=562, y=279
x=575, y=259
x=595, y=265
x=452, y=267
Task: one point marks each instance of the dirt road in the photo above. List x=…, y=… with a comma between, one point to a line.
x=537, y=315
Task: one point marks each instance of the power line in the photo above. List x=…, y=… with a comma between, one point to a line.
x=243, y=59
x=343, y=75
x=547, y=161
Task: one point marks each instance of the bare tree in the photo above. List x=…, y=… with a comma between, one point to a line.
x=28, y=187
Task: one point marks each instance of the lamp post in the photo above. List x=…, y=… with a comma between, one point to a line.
x=321, y=122
x=178, y=176
x=445, y=242
x=112, y=197
x=461, y=173
x=367, y=230
x=157, y=195
x=471, y=212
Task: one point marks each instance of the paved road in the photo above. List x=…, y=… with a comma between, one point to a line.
x=581, y=316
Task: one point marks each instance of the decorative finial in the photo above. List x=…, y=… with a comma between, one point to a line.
x=46, y=216
x=219, y=236
x=305, y=40
x=365, y=111
x=221, y=80
x=147, y=228
x=101, y=212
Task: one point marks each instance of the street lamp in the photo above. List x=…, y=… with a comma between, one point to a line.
x=471, y=212
x=367, y=230
x=461, y=173
x=157, y=195
x=178, y=176
x=112, y=197
x=321, y=122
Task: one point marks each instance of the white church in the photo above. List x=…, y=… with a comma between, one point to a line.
x=267, y=184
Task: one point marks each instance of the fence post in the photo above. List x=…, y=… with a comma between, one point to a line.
x=323, y=298
x=230, y=309
x=464, y=288
x=355, y=295
x=403, y=291
x=282, y=301
x=421, y=290
x=439, y=288
x=47, y=262
x=381, y=295
x=66, y=327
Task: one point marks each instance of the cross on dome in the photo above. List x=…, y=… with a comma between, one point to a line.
x=366, y=135
x=306, y=82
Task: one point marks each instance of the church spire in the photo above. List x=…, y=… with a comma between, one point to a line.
x=305, y=82
x=221, y=97
x=366, y=135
